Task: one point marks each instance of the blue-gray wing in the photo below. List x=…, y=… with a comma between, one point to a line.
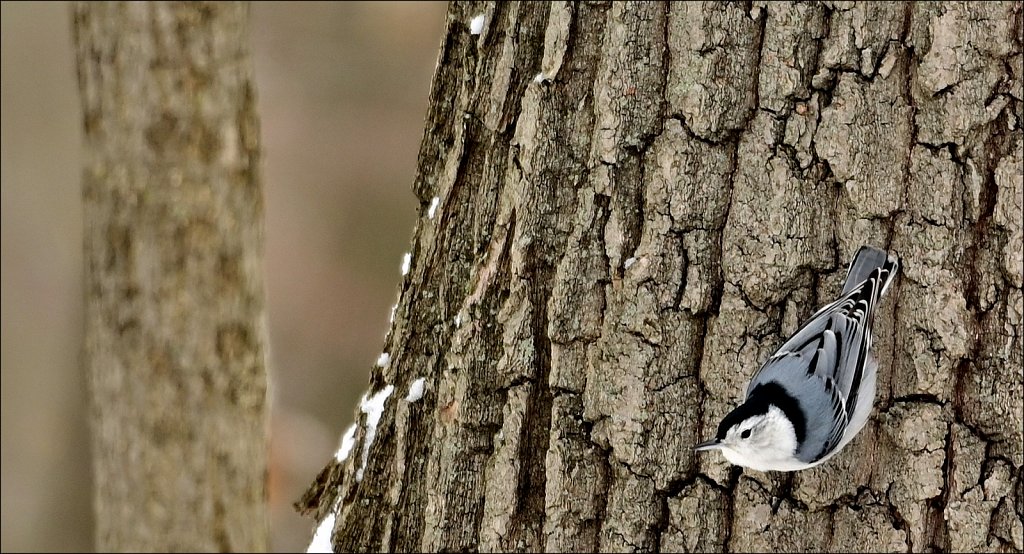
x=820, y=401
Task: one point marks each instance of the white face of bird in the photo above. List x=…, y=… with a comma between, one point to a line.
x=764, y=442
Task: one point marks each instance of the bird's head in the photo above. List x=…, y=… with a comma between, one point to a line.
x=758, y=437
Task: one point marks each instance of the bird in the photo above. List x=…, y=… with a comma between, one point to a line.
x=815, y=393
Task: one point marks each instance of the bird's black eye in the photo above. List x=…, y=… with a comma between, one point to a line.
x=745, y=434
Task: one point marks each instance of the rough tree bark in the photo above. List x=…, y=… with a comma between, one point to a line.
x=175, y=331
x=638, y=202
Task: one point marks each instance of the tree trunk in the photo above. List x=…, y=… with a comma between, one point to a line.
x=636, y=204
x=175, y=330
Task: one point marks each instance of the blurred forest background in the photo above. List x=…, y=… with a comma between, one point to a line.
x=342, y=94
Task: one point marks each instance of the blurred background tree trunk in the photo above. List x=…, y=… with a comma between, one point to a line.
x=175, y=340
x=625, y=208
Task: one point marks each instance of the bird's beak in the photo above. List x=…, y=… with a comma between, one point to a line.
x=712, y=444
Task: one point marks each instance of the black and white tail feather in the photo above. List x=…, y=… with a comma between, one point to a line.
x=815, y=393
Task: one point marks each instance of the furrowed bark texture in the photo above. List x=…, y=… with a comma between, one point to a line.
x=175, y=331
x=638, y=203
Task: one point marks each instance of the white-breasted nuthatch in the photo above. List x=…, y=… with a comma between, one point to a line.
x=815, y=393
